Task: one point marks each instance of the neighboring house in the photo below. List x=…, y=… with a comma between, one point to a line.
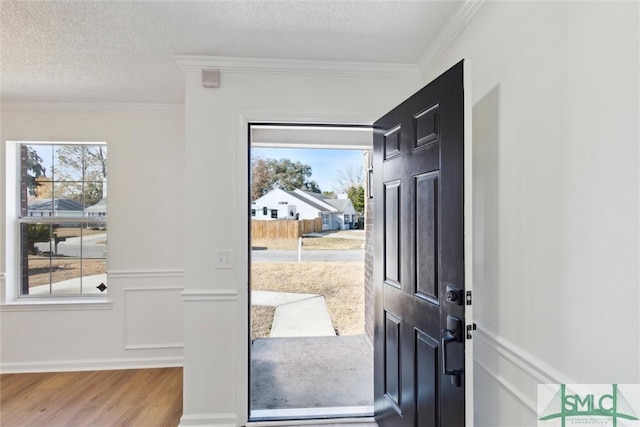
x=271, y=212
x=336, y=214
x=99, y=210
x=65, y=208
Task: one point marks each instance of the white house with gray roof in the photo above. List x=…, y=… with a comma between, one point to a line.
x=336, y=214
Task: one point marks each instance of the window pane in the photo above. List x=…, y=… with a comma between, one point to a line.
x=38, y=238
x=68, y=199
x=95, y=163
x=66, y=275
x=38, y=276
x=35, y=171
x=94, y=273
x=69, y=240
x=94, y=263
x=94, y=193
x=68, y=162
x=40, y=205
x=37, y=160
x=36, y=258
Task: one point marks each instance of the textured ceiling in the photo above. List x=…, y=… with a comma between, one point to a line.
x=122, y=51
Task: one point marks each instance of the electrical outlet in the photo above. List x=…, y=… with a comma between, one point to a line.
x=223, y=260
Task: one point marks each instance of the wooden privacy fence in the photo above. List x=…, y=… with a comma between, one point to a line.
x=284, y=228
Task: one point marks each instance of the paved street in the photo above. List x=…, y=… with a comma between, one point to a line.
x=93, y=246
x=281, y=255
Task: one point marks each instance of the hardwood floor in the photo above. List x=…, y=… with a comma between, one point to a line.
x=135, y=397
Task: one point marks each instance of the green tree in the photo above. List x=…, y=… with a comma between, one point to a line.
x=282, y=173
x=356, y=195
x=35, y=170
x=37, y=233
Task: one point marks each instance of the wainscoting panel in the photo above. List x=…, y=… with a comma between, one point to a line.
x=504, y=372
x=153, y=318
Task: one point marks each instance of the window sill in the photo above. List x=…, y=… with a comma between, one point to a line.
x=57, y=304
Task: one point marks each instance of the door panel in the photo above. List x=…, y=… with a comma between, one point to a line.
x=426, y=232
x=419, y=258
x=392, y=359
x=427, y=377
x=392, y=236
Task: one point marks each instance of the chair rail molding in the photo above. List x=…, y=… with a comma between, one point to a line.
x=145, y=274
x=531, y=370
x=209, y=295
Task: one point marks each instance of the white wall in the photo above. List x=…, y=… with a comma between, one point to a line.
x=143, y=324
x=216, y=335
x=555, y=129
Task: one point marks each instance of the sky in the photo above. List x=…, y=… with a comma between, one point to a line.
x=324, y=163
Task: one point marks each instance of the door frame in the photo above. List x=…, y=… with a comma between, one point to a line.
x=468, y=230
x=244, y=119
x=242, y=243
x=468, y=238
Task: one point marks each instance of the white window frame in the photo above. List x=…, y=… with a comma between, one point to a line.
x=10, y=299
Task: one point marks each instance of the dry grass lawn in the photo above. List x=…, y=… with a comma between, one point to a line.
x=61, y=269
x=341, y=283
x=261, y=321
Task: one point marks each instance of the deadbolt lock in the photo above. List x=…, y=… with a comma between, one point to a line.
x=454, y=295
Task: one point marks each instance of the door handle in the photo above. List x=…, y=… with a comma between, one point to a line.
x=453, y=333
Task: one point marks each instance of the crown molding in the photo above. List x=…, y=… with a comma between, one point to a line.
x=84, y=106
x=448, y=34
x=297, y=67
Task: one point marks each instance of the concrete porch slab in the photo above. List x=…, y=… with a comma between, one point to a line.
x=316, y=372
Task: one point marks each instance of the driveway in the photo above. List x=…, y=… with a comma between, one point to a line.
x=92, y=246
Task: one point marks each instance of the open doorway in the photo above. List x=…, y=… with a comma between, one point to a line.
x=311, y=353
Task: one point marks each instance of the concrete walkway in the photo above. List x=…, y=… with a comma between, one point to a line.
x=297, y=315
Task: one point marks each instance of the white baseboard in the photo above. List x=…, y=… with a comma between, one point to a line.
x=92, y=365
x=209, y=420
x=335, y=422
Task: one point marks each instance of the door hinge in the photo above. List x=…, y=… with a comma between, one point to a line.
x=470, y=329
x=468, y=297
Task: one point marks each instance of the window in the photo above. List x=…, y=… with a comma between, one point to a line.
x=265, y=211
x=325, y=219
x=274, y=213
x=62, y=219
x=253, y=212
